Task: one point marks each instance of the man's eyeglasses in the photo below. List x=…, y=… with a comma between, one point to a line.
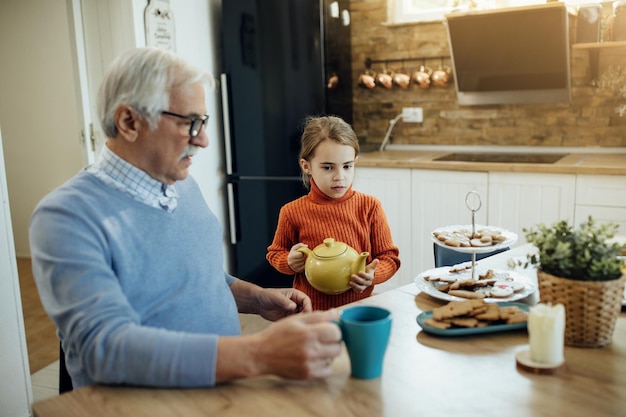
x=197, y=123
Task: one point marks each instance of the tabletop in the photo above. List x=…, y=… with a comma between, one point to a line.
x=424, y=375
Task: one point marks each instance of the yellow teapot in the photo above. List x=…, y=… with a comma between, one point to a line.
x=328, y=266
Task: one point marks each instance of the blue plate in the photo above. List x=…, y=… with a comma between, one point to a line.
x=462, y=331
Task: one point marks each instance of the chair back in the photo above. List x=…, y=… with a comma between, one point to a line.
x=65, y=381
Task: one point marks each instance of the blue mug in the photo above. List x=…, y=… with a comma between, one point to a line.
x=365, y=331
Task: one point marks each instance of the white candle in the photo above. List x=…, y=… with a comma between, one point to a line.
x=546, y=330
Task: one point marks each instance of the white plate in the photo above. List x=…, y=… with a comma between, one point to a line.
x=430, y=287
x=511, y=238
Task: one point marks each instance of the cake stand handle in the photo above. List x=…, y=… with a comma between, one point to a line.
x=473, y=202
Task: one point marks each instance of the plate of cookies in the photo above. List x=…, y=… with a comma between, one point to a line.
x=456, y=283
x=484, y=239
x=470, y=317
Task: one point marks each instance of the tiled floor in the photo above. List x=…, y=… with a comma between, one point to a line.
x=45, y=382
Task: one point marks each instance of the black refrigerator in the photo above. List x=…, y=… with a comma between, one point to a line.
x=274, y=76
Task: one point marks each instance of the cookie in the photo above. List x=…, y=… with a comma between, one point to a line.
x=501, y=290
x=492, y=313
x=517, y=286
x=484, y=282
x=467, y=294
x=456, y=309
x=461, y=267
x=499, y=238
x=452, y=242
x=487, y=275
x=448, y=279
x=438, y=324
x=479, y=243
x=462, y=283
x=513, y=314
x=486, y=239
x=464, y=322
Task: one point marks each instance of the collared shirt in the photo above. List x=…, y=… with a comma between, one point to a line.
x=129, y=179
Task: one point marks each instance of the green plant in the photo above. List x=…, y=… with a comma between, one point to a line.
x=614, y=80
x=582, y=254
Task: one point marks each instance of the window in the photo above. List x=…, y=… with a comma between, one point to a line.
x=410, y=11
x=405, y=11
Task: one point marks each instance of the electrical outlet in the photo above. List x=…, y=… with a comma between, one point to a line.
x=412, y=115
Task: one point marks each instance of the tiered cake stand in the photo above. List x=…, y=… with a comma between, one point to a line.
x=474, y=203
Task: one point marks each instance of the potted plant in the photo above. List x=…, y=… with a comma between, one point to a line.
x=581, y=269
x=614, y=81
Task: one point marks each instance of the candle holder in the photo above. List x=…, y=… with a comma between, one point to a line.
x=525, y=363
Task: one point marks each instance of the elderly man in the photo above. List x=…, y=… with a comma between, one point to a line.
x=128, y=258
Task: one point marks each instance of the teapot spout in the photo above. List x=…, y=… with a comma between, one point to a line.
x=359, y=263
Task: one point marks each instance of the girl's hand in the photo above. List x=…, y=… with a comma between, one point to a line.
x=359, y=282
x=296, y=259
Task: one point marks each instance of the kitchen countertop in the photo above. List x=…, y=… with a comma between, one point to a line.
x=571, y=163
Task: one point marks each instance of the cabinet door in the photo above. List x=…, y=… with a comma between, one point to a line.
x=519, y=200
x=603, y=215
x=438, y=199
x=392, y=187
x=603, y=197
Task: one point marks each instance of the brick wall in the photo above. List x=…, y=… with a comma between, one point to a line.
x=588, y=120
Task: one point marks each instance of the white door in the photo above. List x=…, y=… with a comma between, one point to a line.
x=38, y=108
x=15, y=386
x=41, y=125
x=101, y=31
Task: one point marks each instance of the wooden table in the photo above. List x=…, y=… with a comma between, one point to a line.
x=423, y=376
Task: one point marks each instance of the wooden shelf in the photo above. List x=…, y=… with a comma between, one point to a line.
x=603, y=54
x=600, y=45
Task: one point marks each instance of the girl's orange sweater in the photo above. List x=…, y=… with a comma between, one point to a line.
x=357, y=219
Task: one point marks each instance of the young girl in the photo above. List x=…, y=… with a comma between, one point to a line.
x=329, y=150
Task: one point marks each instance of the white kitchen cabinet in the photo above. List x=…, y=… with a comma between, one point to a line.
x=392, y=186
x=522, y=200
x=438, y=199
x=603, y=197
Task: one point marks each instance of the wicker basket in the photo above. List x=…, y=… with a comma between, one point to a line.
x=591, y=307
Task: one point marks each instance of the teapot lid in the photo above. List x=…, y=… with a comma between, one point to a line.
x=330, y=248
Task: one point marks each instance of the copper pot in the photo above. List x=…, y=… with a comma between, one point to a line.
x=441, y=77
x=333, y=82
x=385, y=80
x=422, y=77
x=402, y=80
x=367, y=80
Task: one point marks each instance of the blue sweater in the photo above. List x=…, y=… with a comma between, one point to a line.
x=138, y=294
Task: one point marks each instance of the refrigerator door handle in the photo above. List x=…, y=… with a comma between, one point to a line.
x=232, y=220
x=226, y=120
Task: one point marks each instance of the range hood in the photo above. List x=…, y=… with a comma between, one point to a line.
x=511, y=55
